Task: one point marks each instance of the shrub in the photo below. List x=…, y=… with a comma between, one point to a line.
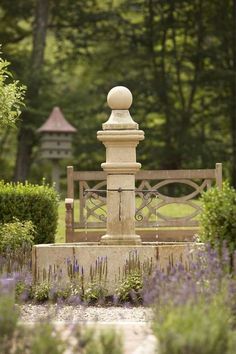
x=8, y=321
x=23, y=291
x=59, y=291
x=37, y=203
x=131, y=282
x=194, y=305
x=16, y=240
x=44, y=337
x=47, y=340
x=16, y=236
x=110, y=342
x=41, y=338
x=218, y=219
x=201, y=327
x=11, y=96
x=91, y=341
x=95, y=292
x=41, y=291
x=130, y=288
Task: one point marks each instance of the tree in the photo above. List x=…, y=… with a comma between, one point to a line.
x=177, y=57
x=26, y=136
x=11, y=96
x=223, y=73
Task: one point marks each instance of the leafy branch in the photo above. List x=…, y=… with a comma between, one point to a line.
x=11, y=96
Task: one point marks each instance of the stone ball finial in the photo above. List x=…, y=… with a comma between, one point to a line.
x=119, y=98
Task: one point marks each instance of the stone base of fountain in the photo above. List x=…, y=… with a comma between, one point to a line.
x=108, y=263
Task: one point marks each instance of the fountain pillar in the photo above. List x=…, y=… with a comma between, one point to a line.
x=120, y=135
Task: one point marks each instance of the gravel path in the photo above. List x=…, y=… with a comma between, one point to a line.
x=132, y=322
x=65, y=313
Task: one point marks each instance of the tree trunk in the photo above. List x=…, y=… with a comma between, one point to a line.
x=26, y=136
x=233, y=98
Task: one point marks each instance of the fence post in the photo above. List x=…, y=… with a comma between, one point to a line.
x=219, y=175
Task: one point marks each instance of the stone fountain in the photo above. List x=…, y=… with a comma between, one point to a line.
x=120, y=244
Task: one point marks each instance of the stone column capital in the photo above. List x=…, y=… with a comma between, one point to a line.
x=120, y=136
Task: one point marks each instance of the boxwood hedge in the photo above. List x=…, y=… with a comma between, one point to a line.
x=218, y=218
x=38, y=203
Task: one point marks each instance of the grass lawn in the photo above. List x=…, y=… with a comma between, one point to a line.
x=172, y=210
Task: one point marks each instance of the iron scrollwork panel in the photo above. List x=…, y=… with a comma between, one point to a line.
x=94, y=210
x=152, y=200
x=149, y=199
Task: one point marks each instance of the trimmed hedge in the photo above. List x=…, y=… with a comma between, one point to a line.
x=218, y=217
x=37, y=203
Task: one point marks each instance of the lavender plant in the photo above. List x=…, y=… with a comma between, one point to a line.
x=96, y=290
x=8, y=320
x=194, y=304
x=131, y=279
x=106, y=341
x=43, y=337
x=53, y=286
x=16, y=240
x=201, y=327
x=47, y=340
x=205, y=274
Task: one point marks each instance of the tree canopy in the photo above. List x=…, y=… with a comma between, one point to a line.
x=11, y=96
x=178, y=58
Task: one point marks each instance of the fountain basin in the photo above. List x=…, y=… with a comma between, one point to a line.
x=111, y=261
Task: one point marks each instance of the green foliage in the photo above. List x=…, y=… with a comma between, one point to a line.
x=130, y=287
x=16, y=240
x=111, y=342
x=9, y=316
x=95, y=291
x=218, y=219
x=200, y=327
x=187, y=94
x=43, y=338
x=100, y=342
x=11, y=96
x=37, y=203
x=41, y=291
x=23, y=290
x=47, y=340
x=60, y=292
x=16, y=237
x=131, y=280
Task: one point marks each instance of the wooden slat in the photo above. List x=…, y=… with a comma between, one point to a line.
x=81, y=204
x=218, y=175
x=152, y=174
x=90, y=175
x=175, y=174
x=90, y=225
x=70, y=182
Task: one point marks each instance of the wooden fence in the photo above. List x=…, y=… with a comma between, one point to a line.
x=152, y=223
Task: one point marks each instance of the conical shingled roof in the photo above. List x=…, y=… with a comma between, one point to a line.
x=56, y=123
